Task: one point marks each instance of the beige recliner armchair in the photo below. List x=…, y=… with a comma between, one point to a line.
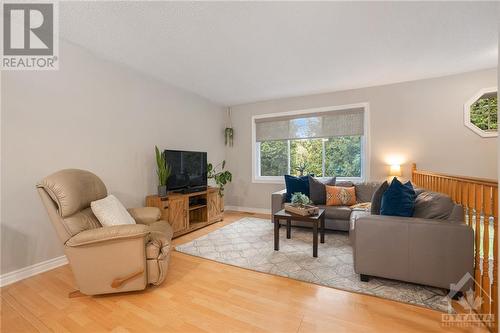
x=105, y=259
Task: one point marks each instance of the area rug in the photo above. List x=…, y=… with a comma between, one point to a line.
x=249, y=243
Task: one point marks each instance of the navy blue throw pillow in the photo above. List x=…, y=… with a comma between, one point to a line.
x=398, y=199
x=296, y=184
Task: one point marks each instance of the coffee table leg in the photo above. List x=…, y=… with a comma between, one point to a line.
x=322, y=229
x=315, y=238
x=288, y=228
x=276, y=234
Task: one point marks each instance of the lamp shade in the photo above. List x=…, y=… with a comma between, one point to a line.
x=395, y=170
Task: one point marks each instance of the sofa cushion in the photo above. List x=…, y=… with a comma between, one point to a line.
x=364, y=191
x=457, y=214
x=337, y=212
x=296, y=184
x=398, y=200
x=433, y=205
x=317, y=189
x=340, y=196
x=344, y=183
x=377, y=198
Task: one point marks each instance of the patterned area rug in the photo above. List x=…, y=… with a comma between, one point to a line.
x=249, y=243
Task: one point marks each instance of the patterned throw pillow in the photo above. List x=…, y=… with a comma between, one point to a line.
x=340, y=196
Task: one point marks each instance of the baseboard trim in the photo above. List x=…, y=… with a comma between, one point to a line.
x=248, y=209
x=26, y=272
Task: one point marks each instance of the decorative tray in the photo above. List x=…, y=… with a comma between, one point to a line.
x=304, y=210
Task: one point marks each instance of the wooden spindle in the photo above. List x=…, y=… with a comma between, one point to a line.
x=465, y=194
x=479, y=197
x=494, y=285
x=475, y=219
x=487, y=198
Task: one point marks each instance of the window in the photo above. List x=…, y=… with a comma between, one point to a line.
x=325, y=142
x=481, y=113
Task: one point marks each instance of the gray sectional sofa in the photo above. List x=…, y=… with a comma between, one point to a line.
x=336, y=217
x=435, y=247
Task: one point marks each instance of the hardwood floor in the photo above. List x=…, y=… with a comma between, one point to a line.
x=204, y=296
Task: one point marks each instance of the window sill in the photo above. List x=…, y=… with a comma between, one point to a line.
x=281, y=180
x=268, y=180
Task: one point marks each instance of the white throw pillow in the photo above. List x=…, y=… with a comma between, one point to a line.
x=110, y=211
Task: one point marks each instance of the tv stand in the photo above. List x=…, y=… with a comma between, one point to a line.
x=189, y=211
x=191, y=189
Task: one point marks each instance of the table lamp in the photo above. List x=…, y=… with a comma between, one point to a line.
x=395, y=170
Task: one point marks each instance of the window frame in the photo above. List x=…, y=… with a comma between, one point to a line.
x=365, y=143
x=468, y=123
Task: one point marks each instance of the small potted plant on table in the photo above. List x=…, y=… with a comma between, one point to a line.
x=301, y=205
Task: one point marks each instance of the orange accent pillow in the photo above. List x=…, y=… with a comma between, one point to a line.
x=340, y=196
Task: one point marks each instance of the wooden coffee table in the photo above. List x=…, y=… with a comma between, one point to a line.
x=314, y=219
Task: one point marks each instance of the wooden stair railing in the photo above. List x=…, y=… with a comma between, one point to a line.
x=479, y=197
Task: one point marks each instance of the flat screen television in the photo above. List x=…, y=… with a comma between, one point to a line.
x=188, y=170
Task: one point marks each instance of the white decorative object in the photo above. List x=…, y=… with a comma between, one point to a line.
x=110, y=211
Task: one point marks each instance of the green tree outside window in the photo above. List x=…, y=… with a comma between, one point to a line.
x=323, y=157
x=484, y=113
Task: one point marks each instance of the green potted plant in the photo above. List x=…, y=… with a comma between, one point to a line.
x=301, y=204
x=219, y=175
x=300, y=200
x=163, y=171
x=228, y=136
x=228, y=131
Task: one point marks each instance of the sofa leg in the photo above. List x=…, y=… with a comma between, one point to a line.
x=456, y=295
x=364, y=278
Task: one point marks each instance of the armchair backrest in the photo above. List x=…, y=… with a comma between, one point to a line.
x=67, y=195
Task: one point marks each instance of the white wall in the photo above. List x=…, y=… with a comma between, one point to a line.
x=419, y=121
x=94, y=115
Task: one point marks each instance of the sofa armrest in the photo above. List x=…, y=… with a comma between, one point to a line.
x=356, y=214
x=105, y=234
x=277, y=200
x=145, y=215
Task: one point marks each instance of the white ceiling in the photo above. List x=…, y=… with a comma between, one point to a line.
x=240, y=52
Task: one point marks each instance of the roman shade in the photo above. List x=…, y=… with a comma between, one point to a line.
x=325, y=124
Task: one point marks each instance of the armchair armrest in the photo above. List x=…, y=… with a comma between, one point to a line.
x=104, y=234
x=277, y=200
x=145, y=215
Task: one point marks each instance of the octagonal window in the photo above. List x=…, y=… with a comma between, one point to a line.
x=481, y=113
